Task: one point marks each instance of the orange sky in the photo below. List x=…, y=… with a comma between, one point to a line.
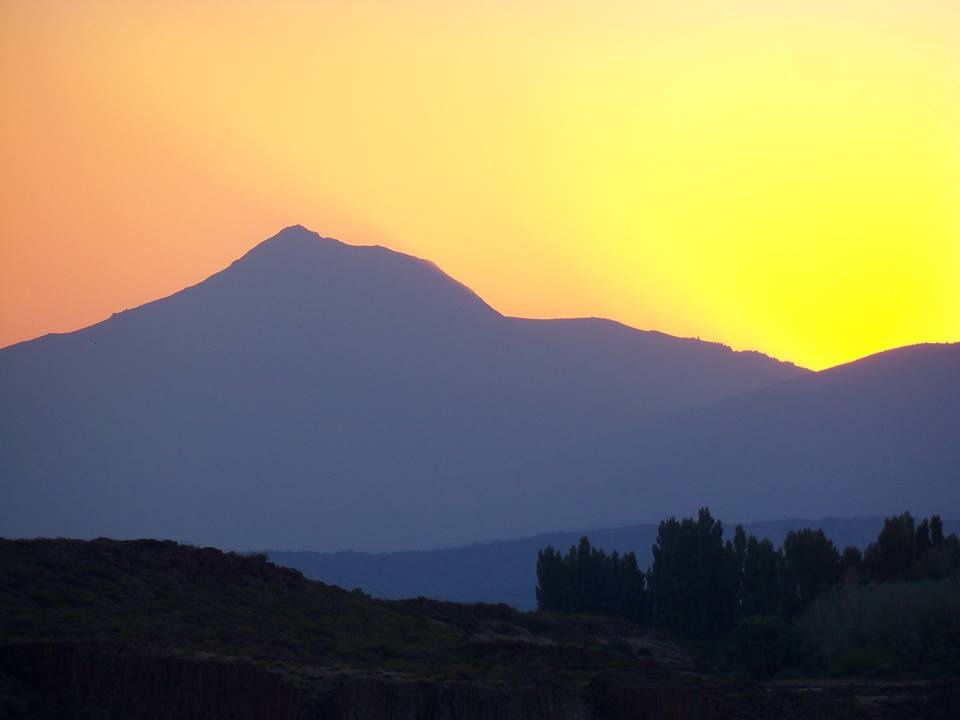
x=783, y=176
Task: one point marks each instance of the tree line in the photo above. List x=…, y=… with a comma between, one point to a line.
x=587, y=580
x=702, y=586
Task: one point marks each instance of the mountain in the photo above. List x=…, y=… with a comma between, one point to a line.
x=505, y=571
x=324, y=396
x=875, y=436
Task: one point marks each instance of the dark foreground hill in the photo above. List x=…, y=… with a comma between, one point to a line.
x=324, y=396
x=505, y=571
x=149, y=629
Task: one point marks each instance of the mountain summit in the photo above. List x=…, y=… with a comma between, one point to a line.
x=297, y=261
x=320, y=395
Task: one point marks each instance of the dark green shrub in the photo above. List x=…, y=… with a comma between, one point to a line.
x=763, y=645
x=886, y=628
x=868, y=660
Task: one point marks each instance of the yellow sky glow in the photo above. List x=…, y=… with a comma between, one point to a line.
x=781, y=176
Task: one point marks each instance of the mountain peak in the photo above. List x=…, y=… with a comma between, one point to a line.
x=295, y=232
x=312, y=270
x=292, y=236
x=292, y=247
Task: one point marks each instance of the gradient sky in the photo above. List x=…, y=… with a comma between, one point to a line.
x=772, y=174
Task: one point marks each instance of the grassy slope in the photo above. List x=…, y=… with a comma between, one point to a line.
x=163, y=596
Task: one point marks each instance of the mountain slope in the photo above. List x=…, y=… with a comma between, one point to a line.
x=147, y=629
x=875, y=436
x=318, y=395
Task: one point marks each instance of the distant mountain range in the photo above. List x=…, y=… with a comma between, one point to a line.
x=323, y=396
x=505, y=571
x=876, y=436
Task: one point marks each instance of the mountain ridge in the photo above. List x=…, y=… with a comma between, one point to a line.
x=299, y=237
x=323, y=395
x=885, y=420
x=315, y=379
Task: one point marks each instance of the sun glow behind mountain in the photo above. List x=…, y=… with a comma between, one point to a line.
x=782, y=176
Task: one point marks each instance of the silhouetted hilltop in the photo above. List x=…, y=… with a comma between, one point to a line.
x=299, y=264
x=319, y=395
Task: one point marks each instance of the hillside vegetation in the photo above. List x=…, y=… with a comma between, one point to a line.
x=805, y=607
x=146, y=629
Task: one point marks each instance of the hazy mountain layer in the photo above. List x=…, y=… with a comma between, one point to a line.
x=872, y=437
x=323, y=396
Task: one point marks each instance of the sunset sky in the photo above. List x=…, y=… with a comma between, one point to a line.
x=779, y=175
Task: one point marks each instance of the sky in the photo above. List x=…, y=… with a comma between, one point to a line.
x=776, y=175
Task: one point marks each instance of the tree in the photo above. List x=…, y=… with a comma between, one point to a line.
x=851, y=565
x=553, y=585
x=893, y=554
x=693, y=585
x=936, y=531
x=811, y=565
x=922, y=541
x=632, y=602
x=761, y=593
x=738, y=551
x=941, y=559
x=587, y=580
